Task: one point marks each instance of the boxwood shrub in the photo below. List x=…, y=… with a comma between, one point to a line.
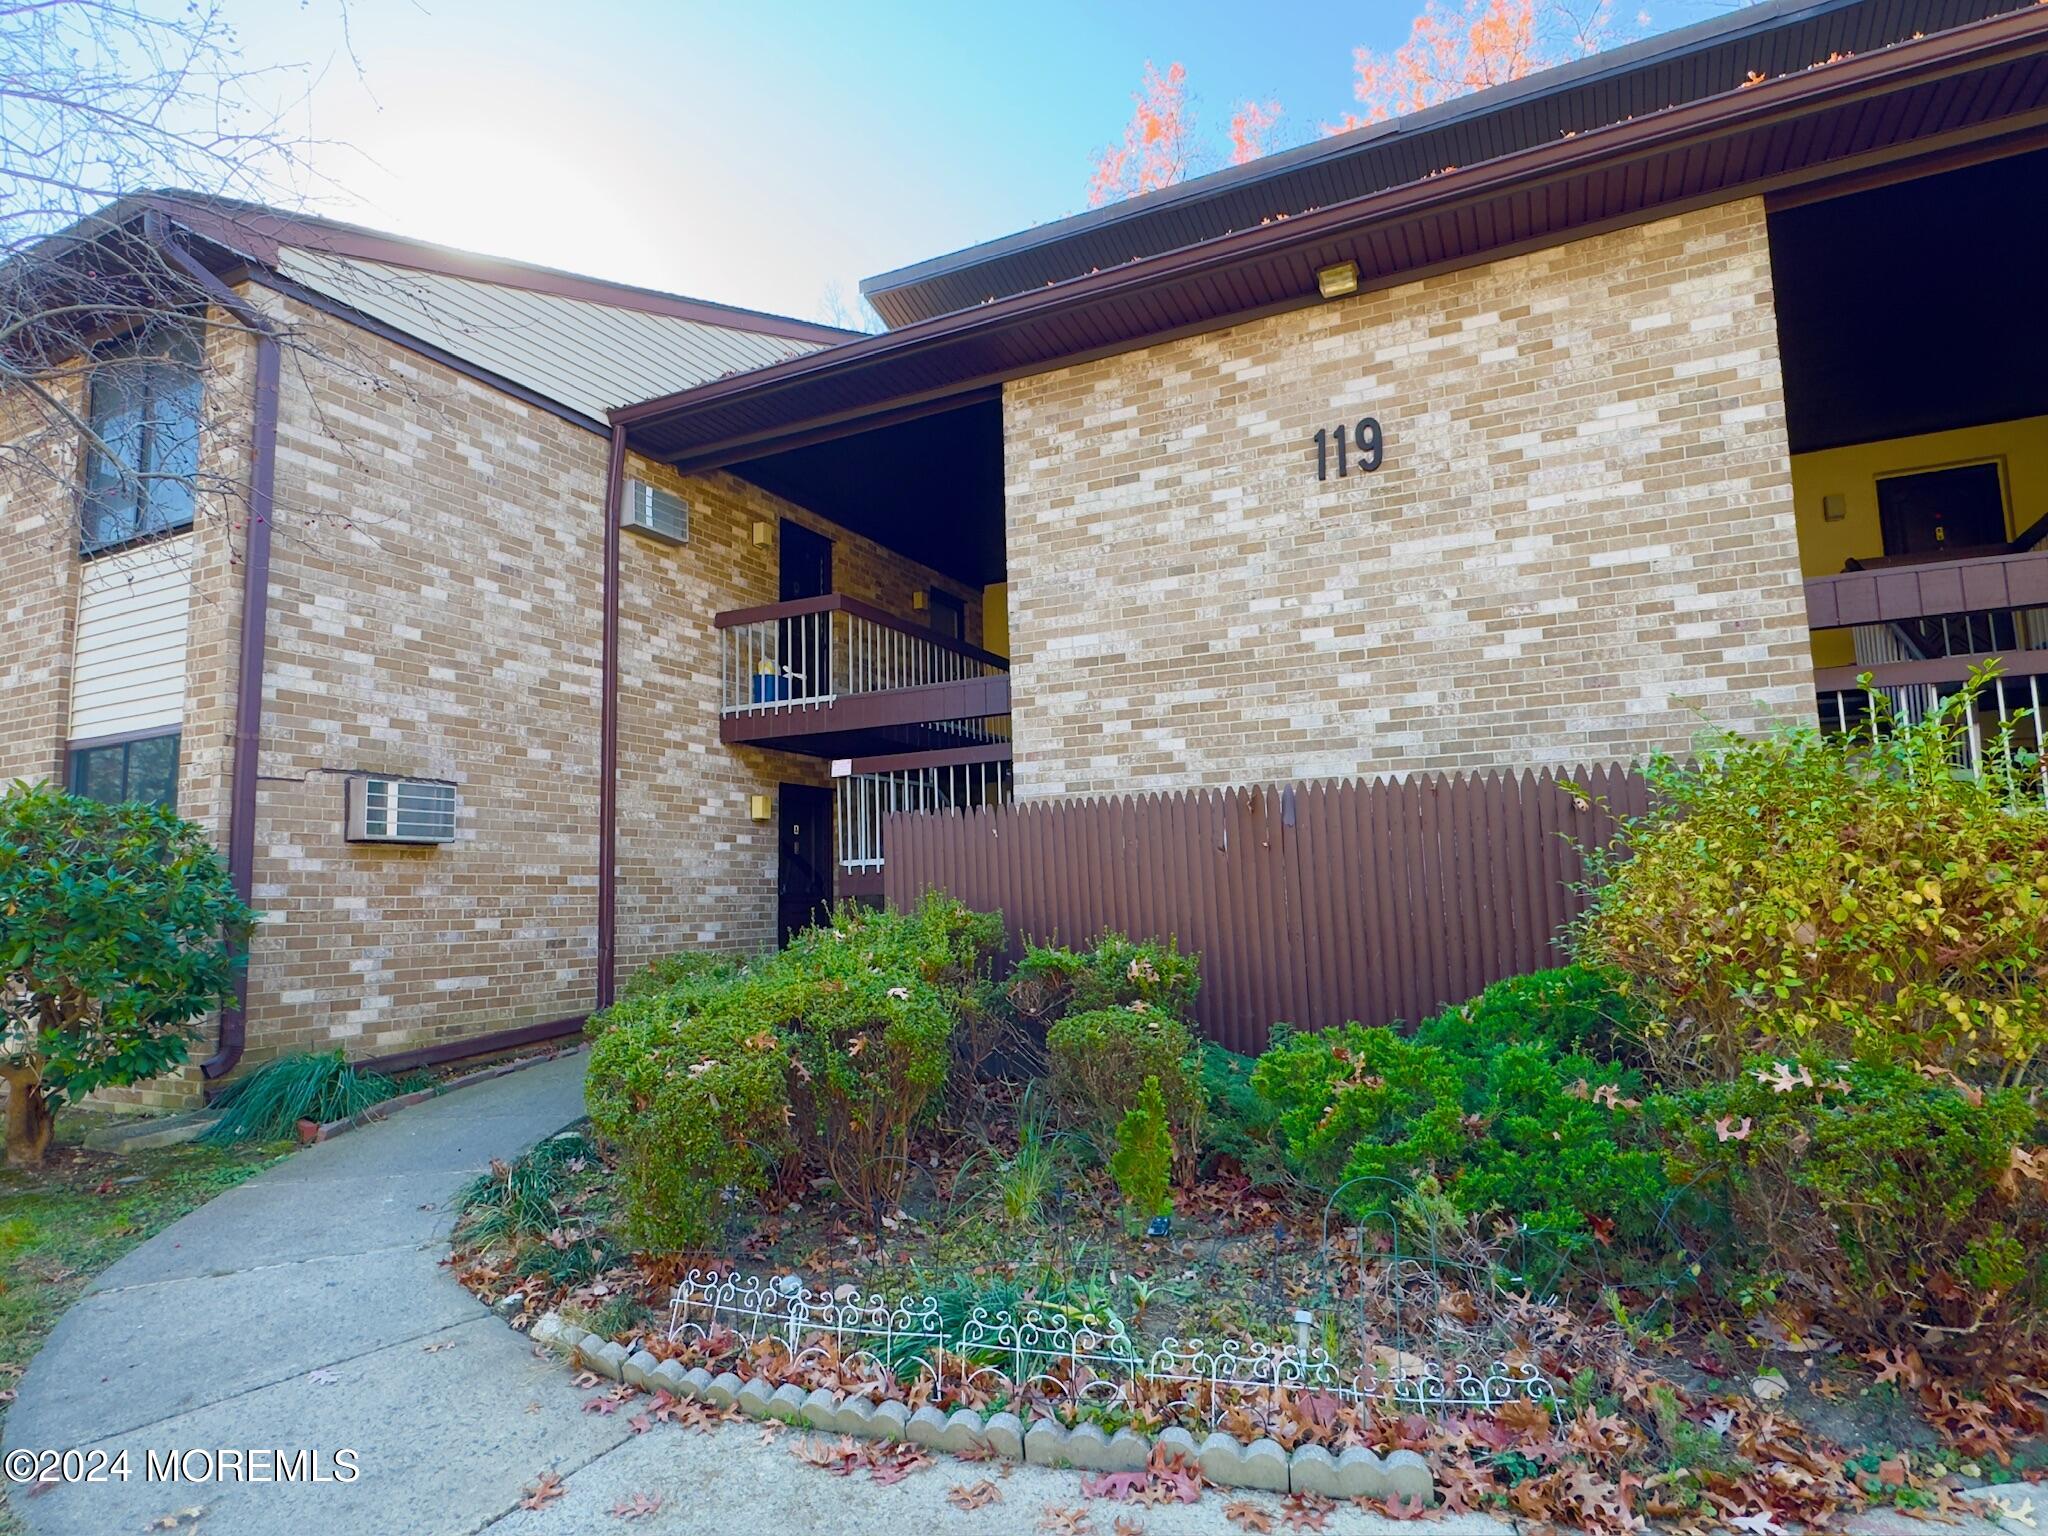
x=1099, y=1060
x=711, y=1077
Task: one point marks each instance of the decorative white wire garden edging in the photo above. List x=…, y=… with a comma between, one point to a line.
x=1062, y=1355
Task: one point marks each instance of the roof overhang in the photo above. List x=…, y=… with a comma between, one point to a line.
x=1974, y=91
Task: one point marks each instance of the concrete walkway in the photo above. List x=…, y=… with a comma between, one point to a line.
x=308, y=1310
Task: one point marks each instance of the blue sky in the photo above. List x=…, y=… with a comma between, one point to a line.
x=757, y=152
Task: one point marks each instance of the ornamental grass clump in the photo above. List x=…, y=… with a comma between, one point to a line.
x=1855, y=898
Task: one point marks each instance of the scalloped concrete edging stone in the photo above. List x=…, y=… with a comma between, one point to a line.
x=1224, y=1460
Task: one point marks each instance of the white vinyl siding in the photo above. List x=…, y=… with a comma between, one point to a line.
x=128, y=672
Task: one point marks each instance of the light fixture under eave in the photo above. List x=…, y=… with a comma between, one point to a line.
x=1335, y=282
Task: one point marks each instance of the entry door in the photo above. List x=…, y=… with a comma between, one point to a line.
x=1940, y=510
x=806, y=640
x=804, y=862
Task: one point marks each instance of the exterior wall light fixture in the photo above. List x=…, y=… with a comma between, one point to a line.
x=1335, y=282
x=761, y=807
x=764, y=534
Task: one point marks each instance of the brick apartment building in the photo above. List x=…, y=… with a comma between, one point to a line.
x=1676, y=387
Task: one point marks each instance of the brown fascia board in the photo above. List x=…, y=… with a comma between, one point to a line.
x=1749, y=19
x=261, y=234
x=1961, y=49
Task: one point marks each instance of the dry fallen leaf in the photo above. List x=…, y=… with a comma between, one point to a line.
x=1248, y=1516
x=1306, y=1511
x=178, y=1519
x=1056, y=1521
x=639, y=1507
x=538, y=1495
x=976, y=1495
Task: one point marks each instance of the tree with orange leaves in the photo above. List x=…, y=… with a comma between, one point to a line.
x=1452, y=52
x=1157, y=140
x=1160, y=146
x=1250, y=125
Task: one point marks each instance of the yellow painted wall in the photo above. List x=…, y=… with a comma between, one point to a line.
x=1852, y=473
x=995, y=618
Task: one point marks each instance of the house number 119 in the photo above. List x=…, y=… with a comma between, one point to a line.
x=1365, y=440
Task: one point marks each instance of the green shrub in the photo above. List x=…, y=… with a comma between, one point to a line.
x=1811, y=894
x=1557, y=1142
x=120, y=930
x=1099, y=1061
x=1114, y=973
x=1142, y=1164
x=1561, y=1144
x=695, y=1099
x=1887, y=1197
x=1573, y=1010
x=869, y=1024
x=1359, y=1103
x=828, y=1052
x=269, y=1103
x=1238, y=1122
x=696, y=972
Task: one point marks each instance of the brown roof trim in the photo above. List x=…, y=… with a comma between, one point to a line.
x=266, y=278
x=261, y=234
x=912, y=358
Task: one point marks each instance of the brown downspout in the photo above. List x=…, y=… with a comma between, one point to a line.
x=248, y=735
x=608, y=732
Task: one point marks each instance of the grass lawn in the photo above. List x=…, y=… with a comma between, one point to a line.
x=63, y=1224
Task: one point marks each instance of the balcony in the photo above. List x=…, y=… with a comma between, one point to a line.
x=869, y=790
x=1918, y=629
x=835, y=677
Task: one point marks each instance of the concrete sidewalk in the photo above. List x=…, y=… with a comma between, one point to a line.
x=308, y=1310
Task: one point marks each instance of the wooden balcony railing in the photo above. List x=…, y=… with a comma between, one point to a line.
x=830, y=664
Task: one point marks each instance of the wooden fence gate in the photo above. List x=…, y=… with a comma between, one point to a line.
x=1311, y=904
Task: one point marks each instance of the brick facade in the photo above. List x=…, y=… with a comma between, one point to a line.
x=1580, y=547
x=436, y=610
x=694, y=869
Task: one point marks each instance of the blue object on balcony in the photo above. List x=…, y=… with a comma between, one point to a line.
x=770, y=687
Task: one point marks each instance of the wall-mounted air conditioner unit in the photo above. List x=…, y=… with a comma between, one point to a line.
x=387, y=810
x=658, y=513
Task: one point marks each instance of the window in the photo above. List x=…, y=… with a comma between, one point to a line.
x=144, y=769
x=949, y=615
x=144, y=407
x=1932, y=511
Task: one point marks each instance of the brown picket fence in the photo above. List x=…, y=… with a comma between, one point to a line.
x=1309, y=903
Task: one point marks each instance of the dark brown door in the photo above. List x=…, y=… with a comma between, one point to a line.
x=1940, y=510
x=949, y=615
x=804, y=861
x=807, y=639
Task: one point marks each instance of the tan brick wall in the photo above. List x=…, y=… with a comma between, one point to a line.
x=435, y=610
x=1580, y=546
x=39, y=590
